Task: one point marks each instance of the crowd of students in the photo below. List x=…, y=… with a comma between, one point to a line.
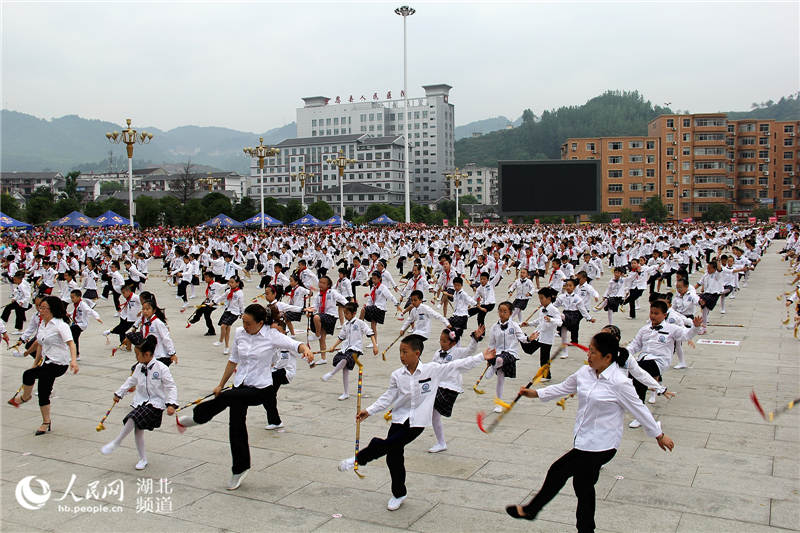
x=338, y=284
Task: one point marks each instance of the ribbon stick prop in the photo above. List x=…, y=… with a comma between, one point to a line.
x=383, y=353
x=358, y=410
x=13, y=401
x=525, y=322
x=182, y=428
x=772, y=414
x=601, y=304
x=388, y=416
x=481, y=416
x=100, y=426
x=475, y=387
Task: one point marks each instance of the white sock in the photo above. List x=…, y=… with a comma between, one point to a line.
x=679, y=352
x=722, y=303
x=138, y=435
x=500, y=383
x=438, y=428
x=126, y=429
x=339, y=366
x=516, y=315
x=345, y=379
x=705, y=316
x=610, y=316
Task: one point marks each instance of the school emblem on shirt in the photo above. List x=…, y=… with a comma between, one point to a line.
x=155, y=375
x=449, y=357
x=671, y=320
x=426, y=387
x=662, y=338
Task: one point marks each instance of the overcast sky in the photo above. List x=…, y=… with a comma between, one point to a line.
x=246, y=65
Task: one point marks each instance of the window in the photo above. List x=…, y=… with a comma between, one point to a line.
x=710, y=150
x=615, y=187
x=590, y=147
x=670, y=123
x=703, y=122
x=615, y=146
x=747, y=181
x=710, y=193
x=787, y=193
x=670, y=193
x=763, y=141
x=788, y=141
x=747, y=154
x=670, y=151
x=636, y=200
x=747, y=127
x=314, y=123
x=712, y=165
x=763, y=154
x=574, y=146
x=763, y=181
x=710, y=179
x=747, y=141
x=686, y=137
x=636, y=159
x=634, y=144
x=615, y=159
x=635, y=172
x=614, y=173
x=709, y=137
x=614, y=201
x=670, y=137
x=763, y=128
x=687, y=123
x=651, y=159
x=650, y=172
x=788, y=129
x=787, y=168
x=651, y=145
x=787, y=155
x=685, y=151
x=636, y=186
x=650, y=187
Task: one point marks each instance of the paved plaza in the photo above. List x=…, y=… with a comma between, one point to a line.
x=731, y=471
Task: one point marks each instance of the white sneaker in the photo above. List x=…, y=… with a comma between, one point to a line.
x=290, y=335
x=679, y=366
x=226, y=351
x=312, y=337
x=320, y=362
x=347, y=464
x=17, y=332
x=395, y=503
x=108, y=448
x=141, y=465
x=544, y=380
x=116, y=314
x=326, y=376
x=273, y=426
x=652, y=398
x=436, y=448
x=344, y=396
x=369, y=345
x=498, y=409
x=107, y=332
x=17, y=353
x=563, y=356
x=635, y=424
x=236, y=480
x=217, y=343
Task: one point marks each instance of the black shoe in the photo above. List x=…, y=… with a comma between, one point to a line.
x=210, y=333
x=514, y=513
x=40, y=432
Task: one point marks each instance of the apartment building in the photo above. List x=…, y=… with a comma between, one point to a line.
x=694, y=161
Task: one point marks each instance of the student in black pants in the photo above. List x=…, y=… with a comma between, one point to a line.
x=595, y=442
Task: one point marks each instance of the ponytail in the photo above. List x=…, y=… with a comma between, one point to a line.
x=607, y=343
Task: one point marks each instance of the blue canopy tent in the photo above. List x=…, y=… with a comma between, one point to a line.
x=307, y=220
x=335, y=220
x=8, y=222
x=221, y=220
x=383, y=220
x=75, y=220
x=110, y=218
x=256, y=220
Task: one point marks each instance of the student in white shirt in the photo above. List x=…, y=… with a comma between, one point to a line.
x=350, y=336
x=323, y=312
x=411, y=394
x=155, y=391
x=615, y=294
x=284, y=368
x=250, y=365
x=605, y=392
x=449, y=389
x=214, y=295
x=129, y=309
x=234, y=307
x=298, y=296
x=574, y=311
x=420, y=315
x=80, y=318
x=55, y=353
x=711, y=282
x=416, y=282
x=484, y=297
x=547, y=324
x=521, y=291
x=374, y=311
x=504, y=337
x=20, y=300
x=461, y=304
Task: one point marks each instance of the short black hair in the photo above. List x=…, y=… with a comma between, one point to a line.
x=415, y=342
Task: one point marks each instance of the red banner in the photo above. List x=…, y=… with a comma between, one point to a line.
x=751, y=220
x=485, y=221
x=643, y=221
x=687, y=220
x=615, y=221
x=773, y=219
x=734, y=220
x=445, y=222
x=466, y=222
x=535, y=220
x=510, y=222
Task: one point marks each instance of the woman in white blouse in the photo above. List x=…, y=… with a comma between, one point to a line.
x=604, y=393
x=54, y=355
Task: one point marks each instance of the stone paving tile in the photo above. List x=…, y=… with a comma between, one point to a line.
x=730, y=471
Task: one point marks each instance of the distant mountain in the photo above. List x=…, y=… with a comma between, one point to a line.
x=481, y=126
x=71, y=142
x=611, y=114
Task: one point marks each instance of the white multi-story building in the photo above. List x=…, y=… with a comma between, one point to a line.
x=376, y=177
x=430, y=135
x=480, y=182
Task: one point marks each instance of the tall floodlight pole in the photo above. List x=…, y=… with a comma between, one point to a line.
x=405, y=12
x=302, y=176
x=129, y=137
x=261, y=152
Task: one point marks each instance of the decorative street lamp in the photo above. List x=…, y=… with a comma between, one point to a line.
x=456, y=178
x=302, y=176
x=261, y=151
x=129, y=137
x=405, y=12
x=341, y=162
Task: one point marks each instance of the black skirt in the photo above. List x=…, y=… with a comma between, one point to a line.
x=521, y=303
x=509, y=367
x=90, y=294
x=292, y=316
x=145, y=416
x=250, y=264
x=445, y=399
x=195, y=280
x=708, y=300
x=373, y=314
x=345, y=356
x=459, y=321
x=227, y=319
x=328, y=322
x=571, y=319
x=613, y=303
